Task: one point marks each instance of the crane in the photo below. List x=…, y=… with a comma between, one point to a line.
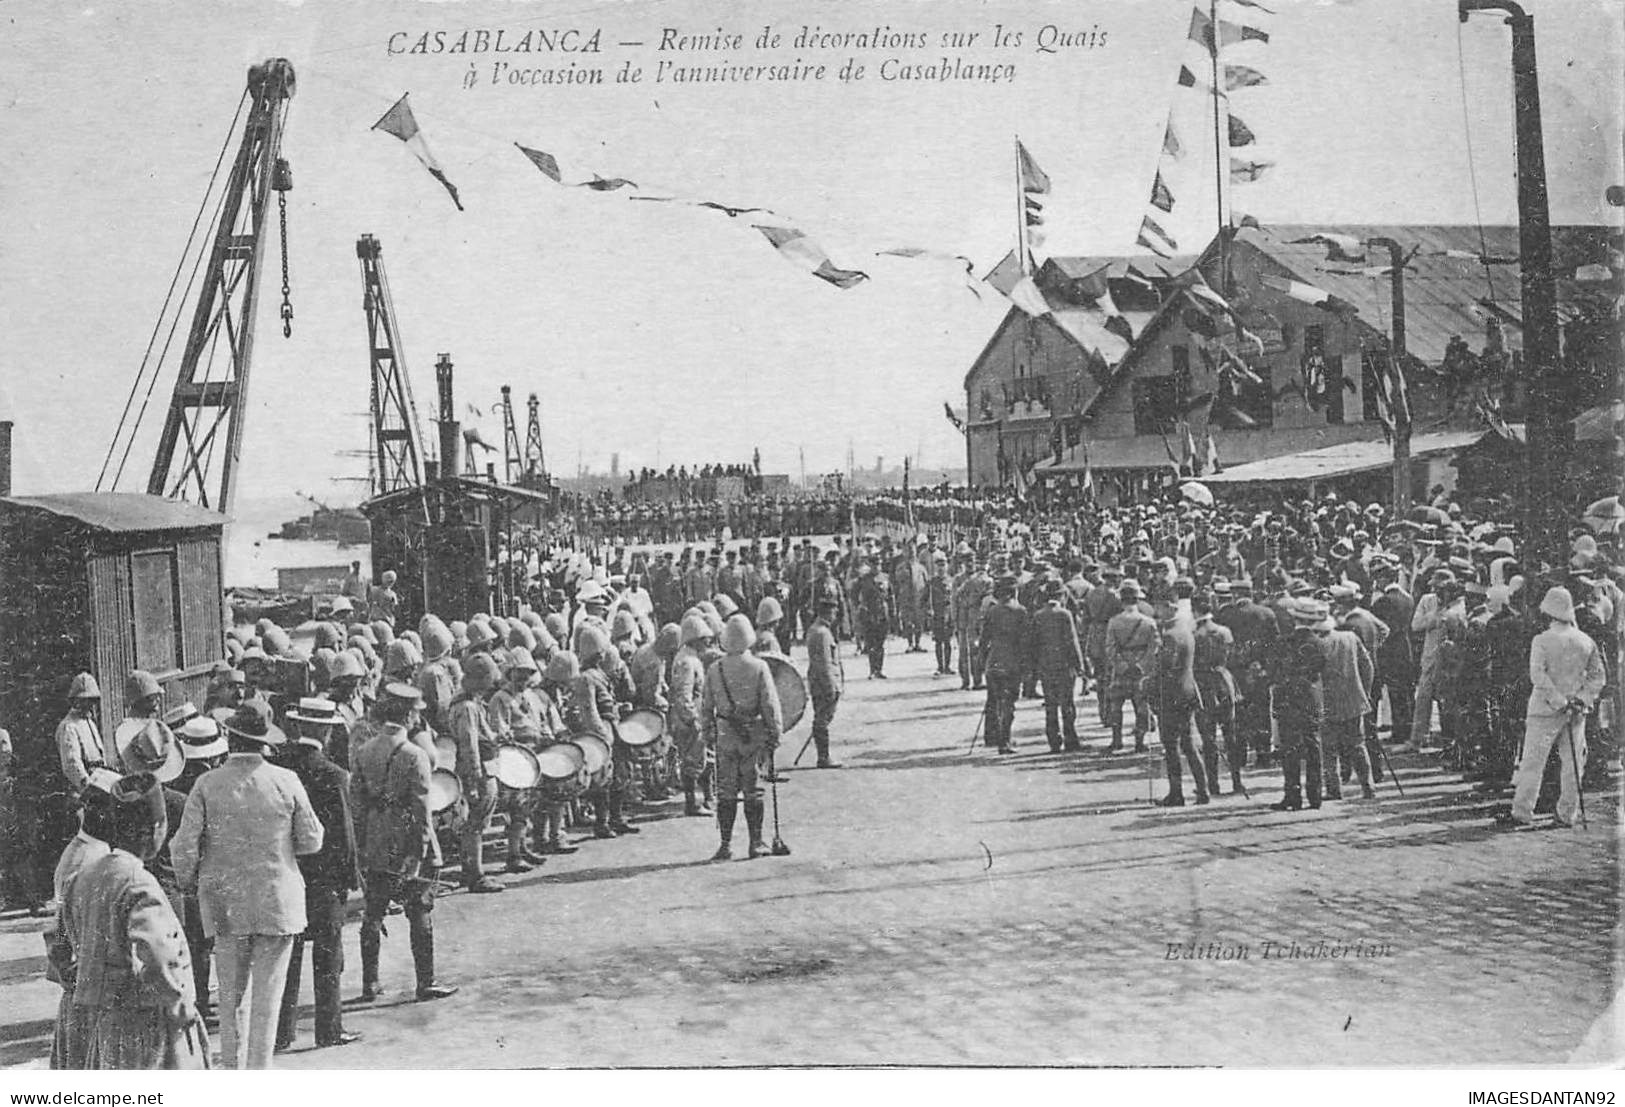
x=203, y=403
x=397, y=438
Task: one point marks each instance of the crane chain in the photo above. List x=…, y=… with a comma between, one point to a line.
x=287, y=304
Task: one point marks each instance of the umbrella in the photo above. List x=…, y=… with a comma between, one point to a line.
x=1196, y=492
x=1423, y=513
x=1605, y=515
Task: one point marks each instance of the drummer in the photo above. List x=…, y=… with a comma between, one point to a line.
x=516, y=713
x=648, y=669
x=554, y=692
x=598, y=696
x=768, y=616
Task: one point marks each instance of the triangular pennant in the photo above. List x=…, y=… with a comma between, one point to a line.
x=1161, y=198
x=1245, y=172
x=400, y=122
x=547, y=163
x=1240, y=133
x=1242, y=76
x=1033, y=179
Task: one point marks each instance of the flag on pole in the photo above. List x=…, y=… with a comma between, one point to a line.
x=400, y=122
x=1245, y=172
x=1033, y=179
x=1155, y=239
x=1034, y=182
x=1242, y=76
x=1188, y=447
x=947, y=409
x=801, y=251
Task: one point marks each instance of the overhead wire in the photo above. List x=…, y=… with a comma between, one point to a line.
x=163, y=310
x=1472, y=167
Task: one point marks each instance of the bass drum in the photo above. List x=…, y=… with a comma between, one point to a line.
x=645, y=732
x=792, y=688
x=595, y=754
x=444, y=791
x=445, y=753
x=563, y=767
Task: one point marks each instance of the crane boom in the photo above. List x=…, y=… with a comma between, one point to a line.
x=397, y=439
x=202, y=404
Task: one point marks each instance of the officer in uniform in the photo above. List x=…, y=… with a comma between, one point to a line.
x=1216, y=695
x=1059, y=660
x=825, y=678
x=1299, y=705
x=1005, y=644
x=389, y=793
x=741, y=719
x=1130, y=660
x=1099, y=606
x=969, y=593
x=1176, y=700
x=1256, y=632
x=939, y=612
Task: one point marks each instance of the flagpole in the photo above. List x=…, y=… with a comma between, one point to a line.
x=1218, y=149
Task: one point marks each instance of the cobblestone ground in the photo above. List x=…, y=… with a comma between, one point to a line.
x=945, y=908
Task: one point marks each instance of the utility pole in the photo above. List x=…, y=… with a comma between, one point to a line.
x=1399, y=403
x=1551, y=393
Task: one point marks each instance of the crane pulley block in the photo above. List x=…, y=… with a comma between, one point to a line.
x=282, y=176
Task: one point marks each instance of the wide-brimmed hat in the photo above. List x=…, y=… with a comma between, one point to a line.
x=318, y=710
x=403, y=692
x=201, y=738
x=252, y=720
x=1312, y=614
x=148, y=746
x=1558, y=604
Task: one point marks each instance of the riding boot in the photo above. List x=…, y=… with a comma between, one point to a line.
x=1210, y=765
x=422, y=935
x=707, y=792
x=755, y=811
x=1197, y=774
x=1291, y=774
x=1117, y=740
x=727, y=809
x=691, y=806
x=1314, y=773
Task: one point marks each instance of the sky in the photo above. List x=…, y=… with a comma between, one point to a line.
x=669, y=334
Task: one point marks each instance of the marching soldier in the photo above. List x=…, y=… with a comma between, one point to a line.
x=687, y=685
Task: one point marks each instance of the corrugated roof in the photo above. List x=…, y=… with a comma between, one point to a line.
x=1443, y=296
x=1340, y=460
x=123, y=511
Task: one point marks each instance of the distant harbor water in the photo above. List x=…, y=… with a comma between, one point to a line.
x=252, y=558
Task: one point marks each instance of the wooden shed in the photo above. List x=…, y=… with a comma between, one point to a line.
x=102, y=582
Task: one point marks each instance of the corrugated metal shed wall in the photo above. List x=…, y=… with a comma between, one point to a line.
x=113, y=638
x=202, y=624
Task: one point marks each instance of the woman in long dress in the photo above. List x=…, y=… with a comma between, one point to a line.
x=133, y=986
